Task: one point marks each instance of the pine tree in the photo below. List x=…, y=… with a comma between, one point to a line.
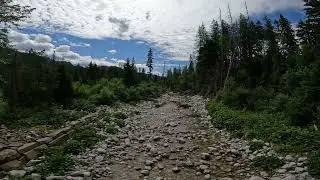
x=150, y=61
x=11, y=14
x=64, y=90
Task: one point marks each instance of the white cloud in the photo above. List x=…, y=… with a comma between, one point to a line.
x=112, y=51
x=79, y=44
x=38, y=42
x=170, y=24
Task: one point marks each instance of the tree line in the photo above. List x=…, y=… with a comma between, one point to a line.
x=247, y=62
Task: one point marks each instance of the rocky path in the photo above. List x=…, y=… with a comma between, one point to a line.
x=170, y=139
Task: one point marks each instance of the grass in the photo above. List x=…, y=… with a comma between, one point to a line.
x=82, y=138
x=110, y=128
x=55, y=162
x=268, y=127
x=267, y=163
x=256, y=145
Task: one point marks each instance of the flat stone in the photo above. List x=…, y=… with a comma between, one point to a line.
x=288, y=158
x=41, y=148
x=256, y=178
x=45, y=140
x=175, y=170
x=149, y=163
x=205, y=156
x=35, y=176
x=207, y=176
x=2, y=146
x=181, y=141
x=99, y=158
x=160, y=166
x=77, y=174
x=57, y=133
x=101, y=151
x=290, y=177
x=17, y=173
x=33, y=154
x=157, y=138
x=55, y=178
x=33, y=162
x=8, y=155
x=275, y=178
x=12, y=165
x=145, y=172
x=59, y=140
x=149, y=168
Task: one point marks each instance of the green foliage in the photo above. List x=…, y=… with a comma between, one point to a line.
x=120, y=115
x=55, y=162
x=82, y=138
x=267, y=163
x=105, y=97
x=314, y=166
x=54, y=117
x=3, y=108
x=268, y=127
x=110, y=128
x=119, y=122
x=256, y=145
x=83, y=105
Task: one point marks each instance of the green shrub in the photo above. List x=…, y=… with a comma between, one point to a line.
x=83, y=105
x=107, y=118
x=314, y=164
x=55, y=162
x=120, y=122
x=82, y=138
x=272, y=128
x=120, y=115
x=86, y=135
x=267, y=163
x=105, y=97
x=81, y=90
x=256, y=145
x=110, y=128
x=73, y=147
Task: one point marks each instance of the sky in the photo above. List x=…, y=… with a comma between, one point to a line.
x=107, y=32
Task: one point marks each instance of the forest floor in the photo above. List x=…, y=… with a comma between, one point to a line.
x=172, y=138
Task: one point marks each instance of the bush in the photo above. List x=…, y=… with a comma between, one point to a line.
x=87, y=135
x=54, y=117
x=83, y=105
x=120, y=115
x=110, y=128
x=120, y=122
x=81, y=139
x=256, y=145
x=314, y=165
x=272, y=128
x=55, y=162
x=73, y=147
x=105, y=97
x=267, y=163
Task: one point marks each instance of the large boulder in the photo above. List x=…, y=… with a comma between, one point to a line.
x=8, y=155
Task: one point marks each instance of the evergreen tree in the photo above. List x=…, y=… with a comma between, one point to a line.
x=11, y=14
x=64, y=90
x=150, y=61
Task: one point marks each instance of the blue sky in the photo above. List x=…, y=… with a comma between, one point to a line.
x=111, y=31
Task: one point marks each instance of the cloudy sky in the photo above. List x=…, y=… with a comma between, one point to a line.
x=108, y=31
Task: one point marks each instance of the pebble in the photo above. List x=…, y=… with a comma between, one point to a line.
x=175, y=169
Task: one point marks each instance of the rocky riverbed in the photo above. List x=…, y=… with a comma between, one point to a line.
x=172, y=139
